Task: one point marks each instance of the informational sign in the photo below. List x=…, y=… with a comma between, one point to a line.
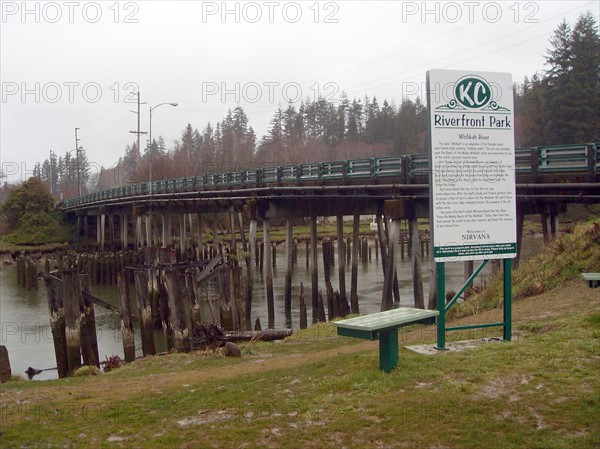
x=472, y=154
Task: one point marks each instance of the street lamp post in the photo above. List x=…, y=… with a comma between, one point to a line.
x=150, y=137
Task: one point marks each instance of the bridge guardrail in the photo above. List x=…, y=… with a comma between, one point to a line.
x=563, y=158
x=577, y=159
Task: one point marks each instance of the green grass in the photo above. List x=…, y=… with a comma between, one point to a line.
x=538, y=392
x=563, y=259
x=46, y=247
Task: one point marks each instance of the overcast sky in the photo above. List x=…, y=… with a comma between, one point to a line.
x=78, y=64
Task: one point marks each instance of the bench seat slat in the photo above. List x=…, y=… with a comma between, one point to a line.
x=590, y=276
x=593, y=279
x=370, y=325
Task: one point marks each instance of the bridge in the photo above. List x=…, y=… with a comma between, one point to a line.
x=547, y=179
x=390, y=188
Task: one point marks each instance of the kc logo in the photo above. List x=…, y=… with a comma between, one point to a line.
x=473, y=92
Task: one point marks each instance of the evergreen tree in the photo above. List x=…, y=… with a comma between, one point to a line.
x=558, y=82
x=585, y=80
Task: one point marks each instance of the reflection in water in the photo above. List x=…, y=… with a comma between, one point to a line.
x=26, y=331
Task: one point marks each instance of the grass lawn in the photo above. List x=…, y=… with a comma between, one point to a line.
x=318, y=390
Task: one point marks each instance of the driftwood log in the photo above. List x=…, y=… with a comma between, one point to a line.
x=266, y=335
x=212, y=336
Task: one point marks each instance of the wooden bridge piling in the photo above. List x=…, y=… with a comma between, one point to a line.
x=268, y=267
x=181, y=336
x=416, y=254
x=314, y=270
x=163, y=307
x=326, y=244
x=86, y=232
x=72, y=303
x=126, y=321
x=288, y=272
x=303, y=317
x=111, y=230
x=341, y=247
x=394, y=210
x=89, y=338
x=57, y=323
x=307, y=253
x=354, y=274
x=247, y=312
x=144, y=304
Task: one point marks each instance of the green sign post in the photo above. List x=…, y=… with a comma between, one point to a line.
x=472, y=181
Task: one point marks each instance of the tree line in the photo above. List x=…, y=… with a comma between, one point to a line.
x=63, y=174
x=559, y=105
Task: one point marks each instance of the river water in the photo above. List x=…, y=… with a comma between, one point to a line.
x=26, y=331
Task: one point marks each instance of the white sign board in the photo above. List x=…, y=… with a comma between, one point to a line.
x=472, y=154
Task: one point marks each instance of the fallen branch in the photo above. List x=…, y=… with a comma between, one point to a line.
x=266, y=335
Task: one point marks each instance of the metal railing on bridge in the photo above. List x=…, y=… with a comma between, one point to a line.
x=533, y=162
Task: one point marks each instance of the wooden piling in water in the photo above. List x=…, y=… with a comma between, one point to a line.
x=354, y=276
x=195, y=298
x=341, y=256
x=71, y=292
x=5, y=370
x=307, y=253
x=393, y=210
x=261, y=264
x=321, y=307
x=251, y=266
x=57, y=322
x=181, y=337
x=111, y=229
x=86, y=232
x=247, y=312
x=314, y=270
x=268, y=273
x=199, y=236
x=215, y=242
x=126, y=321
x=327, y=255
x=303, y=317
x=364, y=250
x=348, y=250
x=402, y=243
x=294, y=253
x=287, y=295
x=231, y=298
x=432, y=300
x=163, y=306
x=395, y=284
x=225, y=298
x=232, y=231
x=144, y=304
x=89, y=338
x=31, y=274
x=416, y=263
x=20, y=271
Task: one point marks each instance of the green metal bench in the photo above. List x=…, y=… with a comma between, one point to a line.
x=593, y=279
x=384, y=326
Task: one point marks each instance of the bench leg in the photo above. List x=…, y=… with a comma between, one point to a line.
x=388, y=350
